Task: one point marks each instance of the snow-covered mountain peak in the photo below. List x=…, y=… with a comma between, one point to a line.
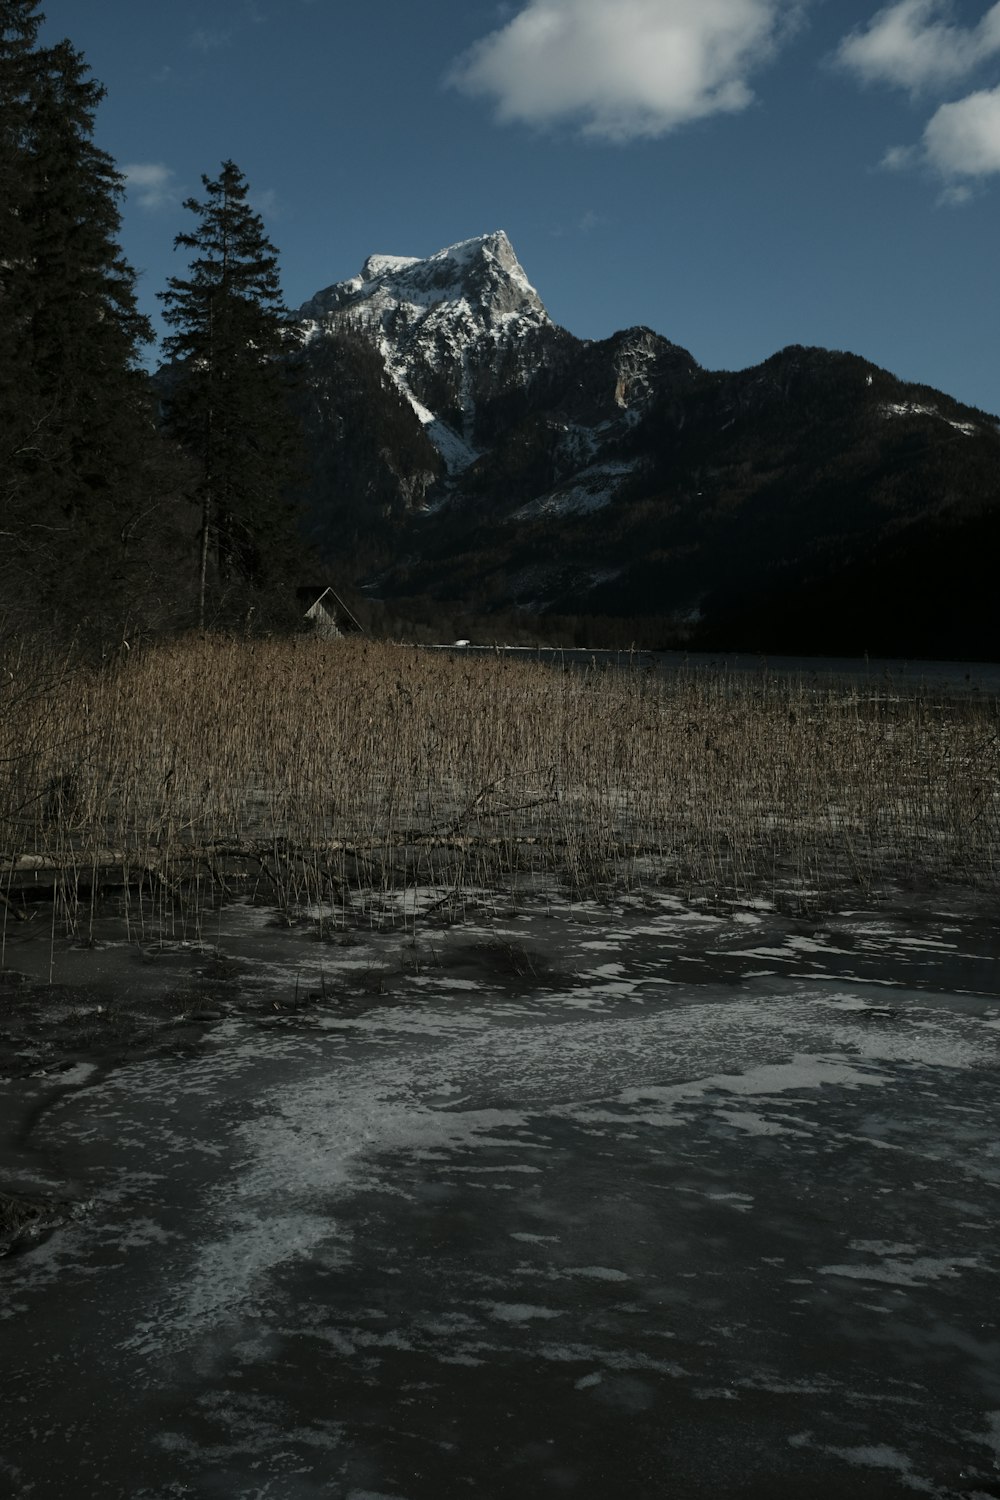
x=481, y=277
x=487, y=270
x=383, y=265
x=441, y=324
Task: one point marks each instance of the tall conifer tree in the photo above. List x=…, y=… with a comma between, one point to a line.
x=81, y=453
x=228, y=402
x=19, y=23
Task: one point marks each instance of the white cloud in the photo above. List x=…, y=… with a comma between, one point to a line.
x=956, y=195
x=211, y=38
x=963, y=139
x=960, y=143
x=914, y=45
x=266, y=203
x=204, y=40
x=150, y=183
x=898, y=158
x=624, y=68
x=586, y=223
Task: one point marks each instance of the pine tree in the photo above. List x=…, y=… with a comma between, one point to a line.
x=85, y=329
x=19, y=23
x=228, y=401
x=83, y=470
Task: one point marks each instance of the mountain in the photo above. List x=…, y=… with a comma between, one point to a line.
x=444, y=327
x=465, y=341
x=468, y=452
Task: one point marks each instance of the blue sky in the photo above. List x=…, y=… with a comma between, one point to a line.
x=737, y=174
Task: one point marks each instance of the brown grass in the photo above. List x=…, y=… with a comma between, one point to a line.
x=344, y=772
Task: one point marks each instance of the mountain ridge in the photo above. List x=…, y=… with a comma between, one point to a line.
x=526, y=468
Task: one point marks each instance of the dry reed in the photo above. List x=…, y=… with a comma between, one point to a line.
x=339, y=775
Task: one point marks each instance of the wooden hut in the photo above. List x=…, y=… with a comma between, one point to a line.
x=327, y=613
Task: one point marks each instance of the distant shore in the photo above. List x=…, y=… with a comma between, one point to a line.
x=952, y=676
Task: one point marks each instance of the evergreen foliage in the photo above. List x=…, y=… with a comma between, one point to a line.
x=88, y=508
x=19, y=23
x=227, y=401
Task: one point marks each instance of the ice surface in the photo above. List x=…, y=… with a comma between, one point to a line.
x=329, y=1243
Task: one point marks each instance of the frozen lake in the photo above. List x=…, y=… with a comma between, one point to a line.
x=641, y=1201
x=946, y=677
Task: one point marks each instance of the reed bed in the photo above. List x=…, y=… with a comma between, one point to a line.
x=339, y=776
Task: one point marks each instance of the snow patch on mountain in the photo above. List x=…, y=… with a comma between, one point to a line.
x=382, y=265
x=588, y=491
x=456, y=452
x=914, y=409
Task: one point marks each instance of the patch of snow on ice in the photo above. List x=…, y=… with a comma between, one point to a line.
x=811, y=945
x=78, y=1075
x=992, y=1438
x=915, y=1272
x=518, y=1312
x=881, y=1456
x=372, y=1495
x=881, y=1247
x=597, y=1273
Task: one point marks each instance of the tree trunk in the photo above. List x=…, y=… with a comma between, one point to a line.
x=206, y=516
